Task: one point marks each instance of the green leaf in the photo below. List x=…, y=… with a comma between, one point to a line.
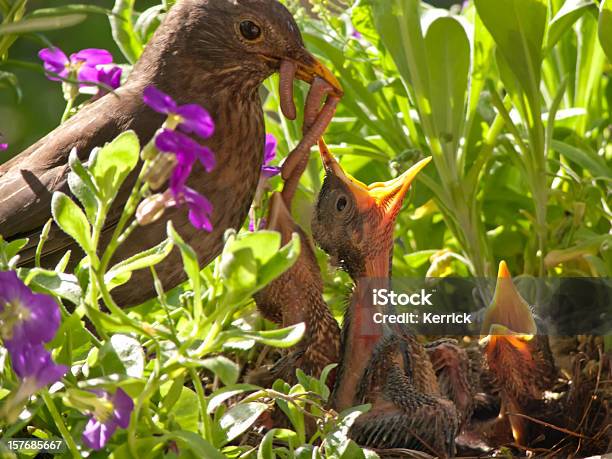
x=398, y=23
x=226, y=369
x=130, y=353
x=240, y=417
x=82, y=186
x=67, y=9
x=123, y=31
x=12, y=248
x=61, y=284
x=171, y=391
x=183, y=410
x=113, y=163
x=280, y=262
x=448, y=56
x=141, y=260
x=145, y=447
x=518, y=26
x=569, y=13
x=41, y=24
x=592, y=162
x=225, y=393
x=281, y=337
x=148, y=22
x=71, y=219
x=266, y=447
x=252, y=260
x=199, y=446
x=605, y=27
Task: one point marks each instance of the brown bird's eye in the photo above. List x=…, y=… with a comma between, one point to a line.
x=250, y=30
x=341, y=203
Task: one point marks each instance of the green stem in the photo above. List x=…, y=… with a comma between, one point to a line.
x=57, y=418
x=206, y=429
x=68, y=109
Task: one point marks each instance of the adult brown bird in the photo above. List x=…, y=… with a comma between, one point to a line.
x=297, y=296
x=215, y=53
x=517, y=354
x=354, y=223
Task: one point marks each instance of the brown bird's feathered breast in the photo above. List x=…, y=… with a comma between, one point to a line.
x=198, y=55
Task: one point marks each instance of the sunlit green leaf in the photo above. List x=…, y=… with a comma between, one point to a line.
x=113, y=162
x=123, y=30
x=71, y=219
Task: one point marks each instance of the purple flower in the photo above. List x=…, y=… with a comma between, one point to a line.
x=84, y=63
x=25, y=317
x=3, y=146
x=262, y=224
x=33, y=364
x=103, y=423
x=187, y=150
x=200, y=208
x=269, y=155
x=111, y=77
x=190, y=118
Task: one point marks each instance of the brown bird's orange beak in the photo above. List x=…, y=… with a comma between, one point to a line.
x=308, y=67
x=387, y=196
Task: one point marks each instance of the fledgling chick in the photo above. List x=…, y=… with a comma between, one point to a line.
x=457, y=375
x=516, y=353
x=353, y=223
x=297, y=296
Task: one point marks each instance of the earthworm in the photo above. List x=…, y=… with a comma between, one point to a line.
x=285, y=88
x=297, y=160
x=319, y=89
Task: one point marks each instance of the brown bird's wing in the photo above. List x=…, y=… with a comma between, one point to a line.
x=28, y=181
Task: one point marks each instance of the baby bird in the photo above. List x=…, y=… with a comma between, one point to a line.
x=297, y=296
x=517, y=355
x=353, y=223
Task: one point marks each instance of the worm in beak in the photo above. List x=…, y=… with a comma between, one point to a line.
x=316, y=119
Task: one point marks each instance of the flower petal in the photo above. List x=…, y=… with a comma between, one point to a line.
x=158, y=100
x=196, y=119
x=96, y=434
x=270, y=171
x=179, y=176
x=183, y=147
x=206, y=157
x=55, y=61
x=3, y=146
x=110, y=77
x=270, y=149
x=87, y=74
x=200, y=209
x=124, y=405
x=34, y=362
x=92, y=57
x=43, y=316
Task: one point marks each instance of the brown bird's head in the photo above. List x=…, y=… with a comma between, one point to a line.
x=518, y=357
x=353, y=222
x=508, y=320
x=239, y=42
